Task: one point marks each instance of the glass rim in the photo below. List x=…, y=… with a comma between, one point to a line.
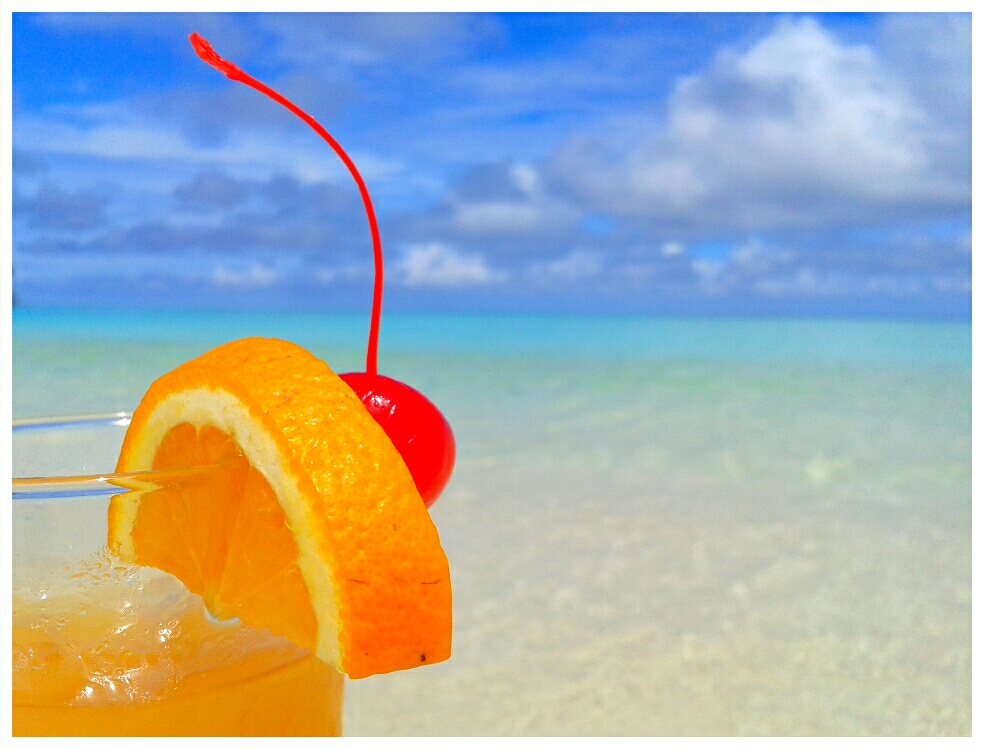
x=92, y=485
x=117, y=418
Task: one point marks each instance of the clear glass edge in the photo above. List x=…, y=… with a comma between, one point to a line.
x=117, y=418
x=96, y=485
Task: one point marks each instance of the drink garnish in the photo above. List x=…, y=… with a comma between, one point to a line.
x=310, y=525
x=314, y=522
x=414, y=424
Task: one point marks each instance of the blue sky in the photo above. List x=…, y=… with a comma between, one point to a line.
x=666, y=163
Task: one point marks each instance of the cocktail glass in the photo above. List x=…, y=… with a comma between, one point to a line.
x=103, y=648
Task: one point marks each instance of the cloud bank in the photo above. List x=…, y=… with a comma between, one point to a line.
x=782, y=164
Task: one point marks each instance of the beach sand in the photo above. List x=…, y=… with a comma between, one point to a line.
x=665, y=547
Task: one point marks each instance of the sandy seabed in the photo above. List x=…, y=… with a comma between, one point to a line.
x=685, y=549
x=666, y=547
x=756, y=641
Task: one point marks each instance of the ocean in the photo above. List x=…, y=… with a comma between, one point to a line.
x=655, y=526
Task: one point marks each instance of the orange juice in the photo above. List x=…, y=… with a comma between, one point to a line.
x=104, y=649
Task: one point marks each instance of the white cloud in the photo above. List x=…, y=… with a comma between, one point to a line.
x=893, y=285
x=709, y=274
x=526, y=178
x=109, y=132
x=753, y=257
x=347, y=273
x=362, y=39
x=577, y=266
x=257, y=276
x=952, y=284
x=811, y=282
x=437, y=264
x=489, y=217
x=528, y=210
x=106, y=138
x=800, y=130
x=671, y=249
x=806, y=281
x=769, y=269
x=965, y=242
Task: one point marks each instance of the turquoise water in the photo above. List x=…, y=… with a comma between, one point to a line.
x=655, y=526
x=862, y=342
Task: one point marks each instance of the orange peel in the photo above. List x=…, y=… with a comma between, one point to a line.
x=310, y=525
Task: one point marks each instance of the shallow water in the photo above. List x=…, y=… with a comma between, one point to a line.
x=683, y=539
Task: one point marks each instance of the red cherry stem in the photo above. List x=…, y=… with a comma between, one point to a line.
x=205, y=51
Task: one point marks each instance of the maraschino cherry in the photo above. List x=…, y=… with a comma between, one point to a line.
x=417, y=429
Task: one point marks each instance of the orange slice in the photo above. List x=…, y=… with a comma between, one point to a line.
x=310, y=525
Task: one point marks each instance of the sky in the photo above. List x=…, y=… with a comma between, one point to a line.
x=710, y=164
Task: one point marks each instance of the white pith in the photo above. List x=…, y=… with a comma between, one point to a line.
x=222, y=410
